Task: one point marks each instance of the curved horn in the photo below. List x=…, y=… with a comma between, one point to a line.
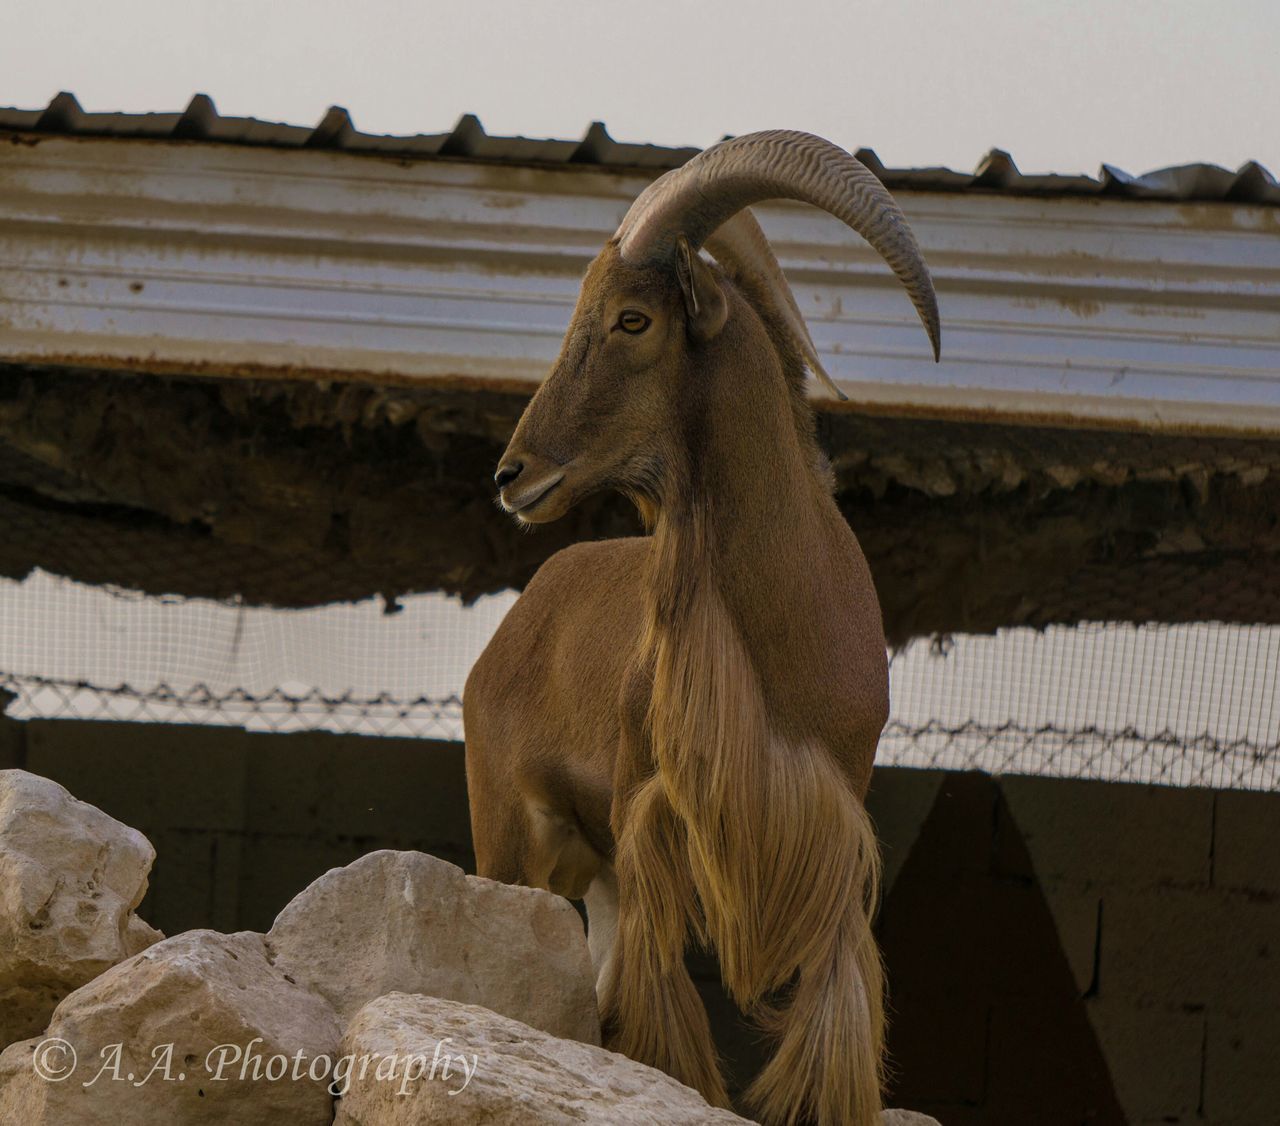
x=700, y=196
x=743, y=250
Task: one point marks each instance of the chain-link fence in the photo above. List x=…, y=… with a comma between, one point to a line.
x=1176, y=705
x=276, y=711
x=1127, y=755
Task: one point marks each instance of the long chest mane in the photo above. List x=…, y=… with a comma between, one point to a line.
x=760, y=812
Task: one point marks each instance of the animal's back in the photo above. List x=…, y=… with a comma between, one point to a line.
x=541, y=711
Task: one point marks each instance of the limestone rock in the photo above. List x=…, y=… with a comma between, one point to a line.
x=139, y=935
x=500, y=1073
x=410, y=923
x=70, y=877
x=170, y=1009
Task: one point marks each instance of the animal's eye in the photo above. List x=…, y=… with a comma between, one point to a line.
x=632, y=321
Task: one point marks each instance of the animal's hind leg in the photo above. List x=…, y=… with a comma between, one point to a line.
x=650, y=1009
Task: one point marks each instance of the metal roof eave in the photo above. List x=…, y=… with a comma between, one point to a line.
x=240, y=260
x=336, y=132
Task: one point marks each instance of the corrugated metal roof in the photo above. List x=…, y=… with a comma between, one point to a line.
x=200, y=121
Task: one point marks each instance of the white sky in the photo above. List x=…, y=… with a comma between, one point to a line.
x=1063, y=86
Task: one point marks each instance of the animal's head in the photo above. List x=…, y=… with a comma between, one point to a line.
x=651, y=309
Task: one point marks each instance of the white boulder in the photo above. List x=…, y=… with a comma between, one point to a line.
x=419, y=1060
x=70, y=878
x=411, y=923
x=199, y=1028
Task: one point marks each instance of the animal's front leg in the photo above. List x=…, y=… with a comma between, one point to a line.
x=602, y=924
x=650, y=1009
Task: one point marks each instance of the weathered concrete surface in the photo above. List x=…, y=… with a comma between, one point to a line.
x=70, y=877
x=200, y=1021
x=409, y=922
x=967, y=526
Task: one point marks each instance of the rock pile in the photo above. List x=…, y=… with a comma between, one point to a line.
x=395, y=991
x=70, y=878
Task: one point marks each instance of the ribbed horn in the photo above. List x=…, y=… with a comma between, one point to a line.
x=743, y=251
x=697, y=198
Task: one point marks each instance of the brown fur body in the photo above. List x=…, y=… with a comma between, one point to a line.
x=695, y=712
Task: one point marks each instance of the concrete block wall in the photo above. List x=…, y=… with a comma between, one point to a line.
x=1091, y=952
x=242, y=822
x=1058, y=951
x=1181, y=981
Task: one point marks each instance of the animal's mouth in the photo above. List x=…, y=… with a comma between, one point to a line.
x=519, y=504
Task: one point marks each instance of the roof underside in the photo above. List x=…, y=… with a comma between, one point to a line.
x=295, y=494
x=335, y=132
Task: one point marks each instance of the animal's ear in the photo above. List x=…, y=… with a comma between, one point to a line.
x=704, y=300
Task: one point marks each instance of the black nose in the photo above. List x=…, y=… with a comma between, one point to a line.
x=508, y=473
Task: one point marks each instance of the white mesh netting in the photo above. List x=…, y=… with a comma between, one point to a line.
x=1181, y=705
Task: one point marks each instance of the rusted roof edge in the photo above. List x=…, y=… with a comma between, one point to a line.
x=335, y=132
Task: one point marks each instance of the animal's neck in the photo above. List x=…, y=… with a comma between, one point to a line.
x=755, y=572
x=746, y=533
x=748, y=515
